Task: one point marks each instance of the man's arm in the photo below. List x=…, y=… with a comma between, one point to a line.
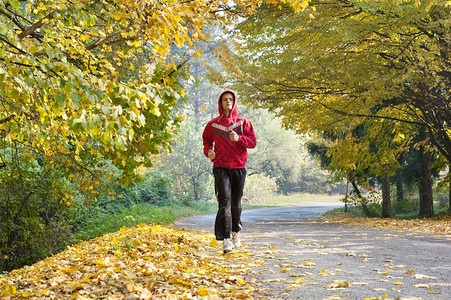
x=247, y=139
x=207, y=138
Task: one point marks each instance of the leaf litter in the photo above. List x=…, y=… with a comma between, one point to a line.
x=162, y=262
x=440, y=226
x=142, y=262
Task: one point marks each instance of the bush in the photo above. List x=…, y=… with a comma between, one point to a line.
x=258, y=188
x=101, y=223
x=149, y=201
x=35, y=213
x=154, y=190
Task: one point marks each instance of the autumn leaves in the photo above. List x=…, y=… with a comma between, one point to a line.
x=313, y=260
x=143, y=262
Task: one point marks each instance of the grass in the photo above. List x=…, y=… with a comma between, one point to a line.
x=146, y=213
x=301, y=199
x=296, y=199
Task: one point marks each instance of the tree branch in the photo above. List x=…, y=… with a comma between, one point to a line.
x=13, y=46
x=102, y=40
x=367, y=116
x=37, y=25
x=7, y=119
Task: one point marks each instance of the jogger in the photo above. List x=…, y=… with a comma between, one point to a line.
x=226, y=139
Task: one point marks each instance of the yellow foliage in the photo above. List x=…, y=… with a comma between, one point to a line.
x=148, y=261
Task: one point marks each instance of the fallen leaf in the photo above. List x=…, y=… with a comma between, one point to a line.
x=359, y=283
x=8, y=290
x=337, y=284
x=299, y=280
x=202, y=291
x=422, y=276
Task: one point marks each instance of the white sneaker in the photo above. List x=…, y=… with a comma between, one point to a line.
x=228, y=245
x=236, y=239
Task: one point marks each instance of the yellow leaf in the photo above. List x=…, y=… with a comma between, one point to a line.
x=213, y=242
x=202, y=291
x=284, y=270
x=130, y=287
x=8, y=290
x=337, y=284
x=299, y=280
x=198, y=53
x=398, y=283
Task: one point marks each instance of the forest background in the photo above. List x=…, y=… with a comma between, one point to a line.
x=103, y=110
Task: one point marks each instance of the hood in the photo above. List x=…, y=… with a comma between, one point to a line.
x=233, y=111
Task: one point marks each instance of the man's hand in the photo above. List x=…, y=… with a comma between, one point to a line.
x=211, y=154
x=234, y=136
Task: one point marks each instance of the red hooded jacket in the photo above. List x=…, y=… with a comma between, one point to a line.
x=229, y=154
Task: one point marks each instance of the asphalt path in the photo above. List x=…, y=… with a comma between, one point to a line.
x=297, y=256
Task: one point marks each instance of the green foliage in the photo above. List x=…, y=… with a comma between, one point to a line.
x=147, y=201
x=187, y=164
x=155, y=189
x=35, y=212
x=100, y=223
x=370, y=73
x=258, y=188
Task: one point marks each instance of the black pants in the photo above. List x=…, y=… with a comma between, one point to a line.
x=229, y=185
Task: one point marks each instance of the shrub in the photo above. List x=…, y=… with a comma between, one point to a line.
x=35, y=213
x=258, y=188
x=154, y=190
x=101, y=223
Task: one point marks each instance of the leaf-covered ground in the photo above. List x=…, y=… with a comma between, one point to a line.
x=440, y=226
x=163, y=262
x=345, y=257
x=143, y=262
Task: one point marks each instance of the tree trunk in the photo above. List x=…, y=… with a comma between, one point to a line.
x=399, y=189
x=365, y=207
x=386, y=201
x=426, y=200
x=346, y=198
x=195, y=189
x=449, y=187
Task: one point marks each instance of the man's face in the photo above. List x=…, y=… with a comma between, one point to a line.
x=227, y=103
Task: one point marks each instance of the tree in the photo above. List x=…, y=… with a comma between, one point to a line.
x=339, y=64
x=350, y=57
x=290, y=164
x=280, y=154
x=364, y=155
x=84, y=84
x=97, y=73
x=35, y=217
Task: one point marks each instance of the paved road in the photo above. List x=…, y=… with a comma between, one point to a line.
x=299, y=258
